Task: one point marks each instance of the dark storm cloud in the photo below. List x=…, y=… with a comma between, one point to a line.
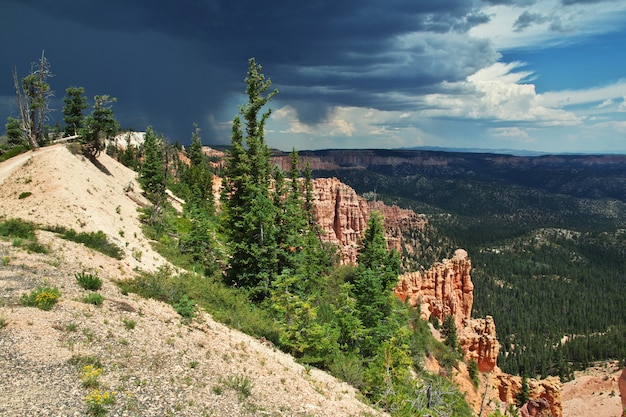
x=527, y=19
x=173, y=63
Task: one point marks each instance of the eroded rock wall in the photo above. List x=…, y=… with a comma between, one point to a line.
x=343, y=215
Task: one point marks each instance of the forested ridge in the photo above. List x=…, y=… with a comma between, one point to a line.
x=546, y=239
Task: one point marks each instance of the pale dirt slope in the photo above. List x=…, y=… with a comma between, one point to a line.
x=594, y=393
x=160, y=367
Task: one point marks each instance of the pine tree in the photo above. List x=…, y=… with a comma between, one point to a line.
x=152, y=172
x=249, y=208
x=75, y=104
x=199, y=177
x=448, y=331
x=100, y=125
x=374, y=278
x=14, y=133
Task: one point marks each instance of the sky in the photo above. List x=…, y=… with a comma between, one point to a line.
x=539, y=75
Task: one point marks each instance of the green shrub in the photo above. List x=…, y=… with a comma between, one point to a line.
x=17, y=228
x=88, y=281
x=94, y=298
x=37, y=247
x=227, y=305
x=348, y=368
x=82, y=361
x=3, y=322
x=240, y=383
x=185, y=307
x=96, y=241
x=42, y=297
x=129, y=324
x=24, y=195
x=14, y=151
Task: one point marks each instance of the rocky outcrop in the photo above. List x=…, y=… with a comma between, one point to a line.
x=548, y=389
x=343, y=215
x=621, y=383
x=534, y=408
x=445, y=289
x=478, y=340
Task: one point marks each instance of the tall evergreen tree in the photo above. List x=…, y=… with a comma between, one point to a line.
x=291, y=223
x=448, y=331
x=200, y=243
x=152, y=172
x=199, y=177
x=375, y=275
x=248, y=205
x=75, y=104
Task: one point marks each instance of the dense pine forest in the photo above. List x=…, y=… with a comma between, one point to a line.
x=547, y=244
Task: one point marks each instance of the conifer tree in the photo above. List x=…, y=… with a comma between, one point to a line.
x=448, y=331
x=199, y=177
x=152, y=172
x=200, y=243
x=99, y=125
x=249, y=208
x=290, y=221
x=374, y=278
x=14, y=133
x=75, y=104
x=33, y=100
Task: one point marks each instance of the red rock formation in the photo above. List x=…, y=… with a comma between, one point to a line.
x=622, y=390
x=478, y=340
x=549, y=389
x=445, y=289
x=343, y=215
x=534, y=408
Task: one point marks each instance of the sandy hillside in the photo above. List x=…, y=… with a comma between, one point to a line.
x=156, y=365
x=68, y=190
x=594, y=392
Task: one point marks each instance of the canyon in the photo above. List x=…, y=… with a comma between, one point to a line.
x=444, y=289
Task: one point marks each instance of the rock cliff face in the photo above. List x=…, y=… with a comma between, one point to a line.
x=343, y=215
x=622, y=390
x=549, y=389
x=479, y=342
x=445, y=289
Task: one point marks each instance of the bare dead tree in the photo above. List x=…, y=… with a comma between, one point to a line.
x=33, y=99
